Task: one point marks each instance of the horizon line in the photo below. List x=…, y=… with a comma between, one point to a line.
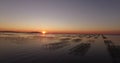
x=59, y=32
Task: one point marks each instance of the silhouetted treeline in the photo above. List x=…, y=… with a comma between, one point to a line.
x=17, y=32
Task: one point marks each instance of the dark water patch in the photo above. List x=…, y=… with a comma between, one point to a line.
x=22, y=55
x=76, y=40
x=16, y=40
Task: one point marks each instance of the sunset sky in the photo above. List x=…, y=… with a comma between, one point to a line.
x=72, y=16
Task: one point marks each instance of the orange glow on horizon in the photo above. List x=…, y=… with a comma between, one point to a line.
x=43, y=32
x=63, y=31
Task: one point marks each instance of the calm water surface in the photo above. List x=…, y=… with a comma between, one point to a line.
x=59, y=48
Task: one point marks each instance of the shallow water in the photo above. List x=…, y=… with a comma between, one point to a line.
x=59, y=48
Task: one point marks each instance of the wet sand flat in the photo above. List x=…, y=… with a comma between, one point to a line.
x=59, y=48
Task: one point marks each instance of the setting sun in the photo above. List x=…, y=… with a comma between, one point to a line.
x=43, y=32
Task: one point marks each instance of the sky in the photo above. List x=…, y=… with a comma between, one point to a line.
x=72, y=16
